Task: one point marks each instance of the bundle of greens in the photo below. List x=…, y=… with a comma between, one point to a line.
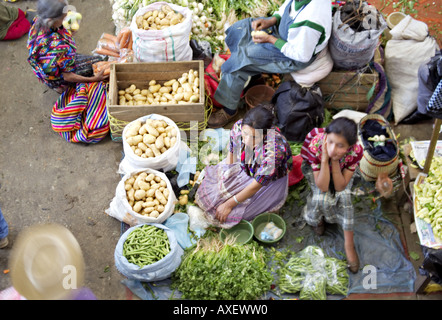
x=217, y=270
x=313, y=274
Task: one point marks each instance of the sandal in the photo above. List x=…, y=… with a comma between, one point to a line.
x=320, y=228
x=353, y=266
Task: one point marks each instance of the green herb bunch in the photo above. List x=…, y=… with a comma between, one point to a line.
x=217, y=270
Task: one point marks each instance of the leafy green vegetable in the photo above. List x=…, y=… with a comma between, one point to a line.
x=216, y=270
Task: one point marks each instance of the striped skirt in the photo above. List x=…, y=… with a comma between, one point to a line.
x=80, y=113
x=222, y=181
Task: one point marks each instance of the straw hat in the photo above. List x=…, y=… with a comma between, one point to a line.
x=46, y=263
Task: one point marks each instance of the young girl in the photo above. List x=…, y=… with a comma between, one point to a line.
x=330, y=159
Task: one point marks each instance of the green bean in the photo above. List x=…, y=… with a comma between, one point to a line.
x=146, y=245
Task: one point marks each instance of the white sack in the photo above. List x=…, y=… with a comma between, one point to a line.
x=169, y=44
x=403, y=57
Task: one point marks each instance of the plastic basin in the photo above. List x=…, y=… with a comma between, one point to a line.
x=243, y=232
x=260, y=222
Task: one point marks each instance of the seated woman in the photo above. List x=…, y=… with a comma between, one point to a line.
x=80, y=113
x=14, y=23
x=52, y=49
x=253, y=178
x=289, y=41
x=330, y=158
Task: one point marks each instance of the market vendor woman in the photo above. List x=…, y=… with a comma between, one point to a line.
x=293, y=38
x=52, y=50
x=254, y=176
x=330, y=158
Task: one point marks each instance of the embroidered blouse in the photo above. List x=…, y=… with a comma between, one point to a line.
x=51, y=53
x=312, y=151
x=269, y=161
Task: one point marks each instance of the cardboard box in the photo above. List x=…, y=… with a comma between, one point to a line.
x=125, y=74
x=347, y=90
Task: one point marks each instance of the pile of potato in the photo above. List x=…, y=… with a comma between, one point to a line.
x=147, y=194
x=184, y=90
x=151, y=138
x=159, y=19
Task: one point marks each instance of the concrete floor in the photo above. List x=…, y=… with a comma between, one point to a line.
x=45, y=179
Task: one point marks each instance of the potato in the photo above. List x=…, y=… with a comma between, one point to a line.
x=140, y=194
x=149, y=153
x=183, y=200
x=145, y=186
x=152, y=130
x=154, y=214
x=148, y=210
x=148, y=139
x=166, y=9
x=138, y=152
x=131, y=89
x=138, y=206
x=194, y=98
x=159, y=143
x=134, y=140
x=130, y=194
x=150, y=192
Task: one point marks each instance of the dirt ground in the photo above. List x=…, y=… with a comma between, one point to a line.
x=44, y=179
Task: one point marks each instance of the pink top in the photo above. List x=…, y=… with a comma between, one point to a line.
x=312, y=151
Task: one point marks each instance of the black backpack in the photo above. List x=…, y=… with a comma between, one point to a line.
x=298, y=109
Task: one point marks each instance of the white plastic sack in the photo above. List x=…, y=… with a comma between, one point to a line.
x=403, y=57
x=352, y=50
x=120, y=208
x=166, y=162
x=157, y=271
x=169, y=44
x=356, y=116
x=409, y=29
x=318, y=70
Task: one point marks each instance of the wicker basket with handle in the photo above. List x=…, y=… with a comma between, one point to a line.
x=370, y=165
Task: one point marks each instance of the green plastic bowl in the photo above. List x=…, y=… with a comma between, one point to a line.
x=243, y=232
x=260, y=222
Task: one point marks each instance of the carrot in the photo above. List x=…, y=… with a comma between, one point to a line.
x=120, y=34
x=109, y=37
x=106, y=52
x=107, y=71
x=108, y=45
x=100, y=63
x=125, y=39
x=131, y=42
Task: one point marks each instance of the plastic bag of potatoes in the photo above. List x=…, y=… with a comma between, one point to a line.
x=143, y=196
x=152, y=142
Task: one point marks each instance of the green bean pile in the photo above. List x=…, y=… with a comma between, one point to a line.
x=337, y=276
x=313, y=275
x=146, y=245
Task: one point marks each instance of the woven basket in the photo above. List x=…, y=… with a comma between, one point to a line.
x=369, y=166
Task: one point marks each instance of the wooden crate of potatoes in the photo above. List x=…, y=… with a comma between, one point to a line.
x=172, y=89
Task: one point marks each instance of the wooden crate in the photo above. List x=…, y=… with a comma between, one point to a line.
x=347, y=90
x=125, y=74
